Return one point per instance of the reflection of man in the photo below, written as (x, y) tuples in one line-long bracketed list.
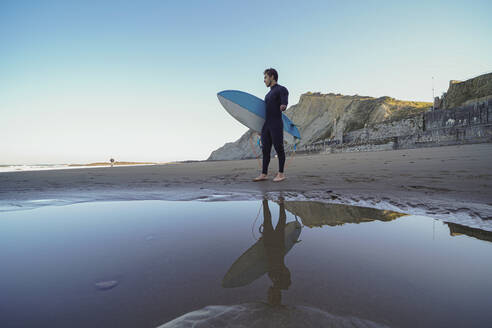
[(274, 242)]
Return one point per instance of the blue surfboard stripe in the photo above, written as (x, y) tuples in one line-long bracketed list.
[(257, 106)]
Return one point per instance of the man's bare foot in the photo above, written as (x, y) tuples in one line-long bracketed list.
[(261, 177), (280, 176)]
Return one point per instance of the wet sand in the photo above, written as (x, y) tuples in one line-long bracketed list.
[(442, 182)]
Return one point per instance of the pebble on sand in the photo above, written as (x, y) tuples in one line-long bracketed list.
[(105, 285)]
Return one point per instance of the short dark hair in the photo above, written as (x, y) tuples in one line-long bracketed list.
[(271, 72)]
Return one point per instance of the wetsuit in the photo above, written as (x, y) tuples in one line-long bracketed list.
[(273, 129)]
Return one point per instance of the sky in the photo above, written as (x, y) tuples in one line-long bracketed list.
[(84, 81)]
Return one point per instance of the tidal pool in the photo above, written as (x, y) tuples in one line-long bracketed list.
[(149, 262)]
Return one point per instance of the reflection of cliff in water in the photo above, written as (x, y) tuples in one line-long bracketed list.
[(317, 214), (458, 229)]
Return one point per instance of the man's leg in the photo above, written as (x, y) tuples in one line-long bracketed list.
[(266, 141), (278, 143)]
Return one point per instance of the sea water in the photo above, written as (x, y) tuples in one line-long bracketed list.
[(144, 263)]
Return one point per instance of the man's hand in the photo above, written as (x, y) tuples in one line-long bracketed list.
[(283, 107)]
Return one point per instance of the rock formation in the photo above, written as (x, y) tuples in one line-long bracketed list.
[(328, 116), (461, 93)]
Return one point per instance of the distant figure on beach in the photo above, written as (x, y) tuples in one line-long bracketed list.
[(112, 161), (274, 242), (273, 129)]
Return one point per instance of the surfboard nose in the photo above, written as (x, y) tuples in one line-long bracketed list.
[(224, 93)]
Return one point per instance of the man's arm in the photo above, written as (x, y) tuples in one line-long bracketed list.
[(284, 96)]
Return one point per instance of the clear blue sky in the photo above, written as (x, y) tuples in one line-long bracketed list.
[(137, 80)]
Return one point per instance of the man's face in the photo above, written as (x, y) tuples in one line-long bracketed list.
[(268, 80)]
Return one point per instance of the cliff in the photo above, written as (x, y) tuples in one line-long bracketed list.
[(464, 92), (328, 116)]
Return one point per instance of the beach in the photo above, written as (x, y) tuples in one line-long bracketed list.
[(450, 182)]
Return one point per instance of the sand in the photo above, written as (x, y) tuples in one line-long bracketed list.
[(453, 183)]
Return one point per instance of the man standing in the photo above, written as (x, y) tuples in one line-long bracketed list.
[(272, 131)]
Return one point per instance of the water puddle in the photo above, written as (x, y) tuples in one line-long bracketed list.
[(150, 263)]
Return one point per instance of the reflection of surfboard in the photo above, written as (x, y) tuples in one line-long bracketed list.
[(250, 110), (254, 263)]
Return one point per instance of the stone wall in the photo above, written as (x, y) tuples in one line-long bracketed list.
[(472, 114), (468, 124), (384, 130), (471, 123)]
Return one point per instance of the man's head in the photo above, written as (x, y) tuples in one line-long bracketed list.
[(271, 77)]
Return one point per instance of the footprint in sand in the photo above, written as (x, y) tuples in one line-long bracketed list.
[(429, 188)]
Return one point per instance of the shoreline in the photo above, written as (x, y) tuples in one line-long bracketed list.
[(48, 167), (452, 183)]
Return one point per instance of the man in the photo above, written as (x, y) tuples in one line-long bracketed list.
[(273, 129)]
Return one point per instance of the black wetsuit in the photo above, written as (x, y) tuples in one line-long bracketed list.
[(273, 129)]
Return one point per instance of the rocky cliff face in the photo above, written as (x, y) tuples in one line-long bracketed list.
[(463, 92), (328, 116), (239, 149)]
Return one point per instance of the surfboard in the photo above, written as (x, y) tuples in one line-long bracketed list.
[(254, 262), (251, 110)]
